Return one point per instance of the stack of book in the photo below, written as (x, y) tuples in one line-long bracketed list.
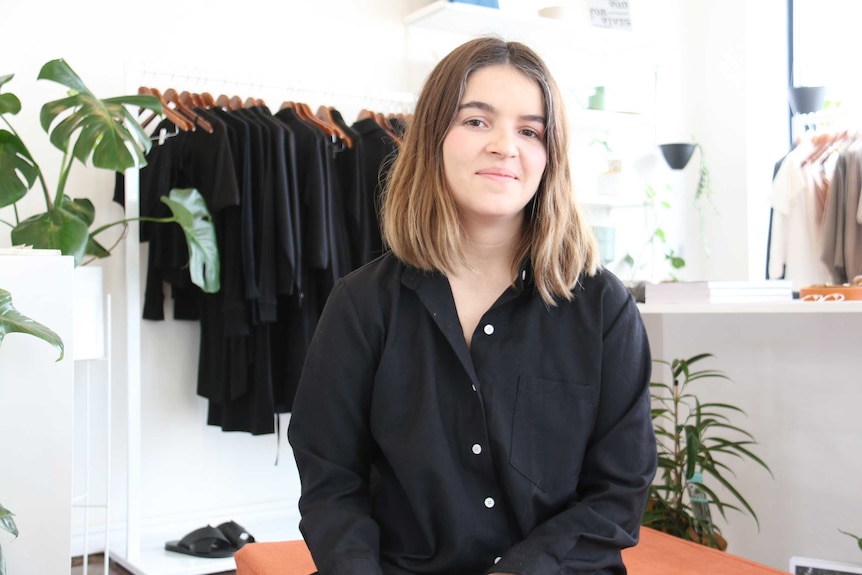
[(719, 291)]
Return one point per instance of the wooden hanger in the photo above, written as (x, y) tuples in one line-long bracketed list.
[(175, 117), (324, 114), (183, 107), (824, 143), (365, 114), (304, 112), (384, 123), (208, 100), (192, 99), (235, 103), (223, 101), (146, 121)]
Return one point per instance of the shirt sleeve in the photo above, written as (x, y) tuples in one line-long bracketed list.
[(619, 464), (334, 467)]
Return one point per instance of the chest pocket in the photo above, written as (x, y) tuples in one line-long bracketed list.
[(550, 431)]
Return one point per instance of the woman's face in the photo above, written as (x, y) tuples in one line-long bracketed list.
[(494, 154)]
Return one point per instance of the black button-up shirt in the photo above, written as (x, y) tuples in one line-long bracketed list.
[(530, 452)]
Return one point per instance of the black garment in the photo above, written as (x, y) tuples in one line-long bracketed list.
[(238, 313), (285, 257), (420, 455), (225, 313), (194, 159), (379, 150), (316, 198)]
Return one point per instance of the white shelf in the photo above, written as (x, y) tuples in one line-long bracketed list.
[(473, 20), (789, 307)]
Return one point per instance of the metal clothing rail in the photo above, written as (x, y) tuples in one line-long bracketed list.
[(275, 92)]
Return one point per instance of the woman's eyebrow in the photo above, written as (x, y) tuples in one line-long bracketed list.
[(485, 107)]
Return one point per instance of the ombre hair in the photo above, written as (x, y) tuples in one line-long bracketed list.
[(419, 218)]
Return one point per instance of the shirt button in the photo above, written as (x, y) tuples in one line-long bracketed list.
[(477, 449), (474, 387), (497, 560), (489, 502), (489, 329)]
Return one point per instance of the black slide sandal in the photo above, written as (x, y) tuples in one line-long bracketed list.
[(236, 534), (207, 542)]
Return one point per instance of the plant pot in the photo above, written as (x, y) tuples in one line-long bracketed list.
[(806, 99), (677, 155)]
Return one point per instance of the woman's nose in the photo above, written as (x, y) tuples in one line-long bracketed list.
[(502, 142)]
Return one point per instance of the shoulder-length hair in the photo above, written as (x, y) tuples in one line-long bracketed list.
[(419, 218)]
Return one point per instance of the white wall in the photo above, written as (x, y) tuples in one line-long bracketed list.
[(721, 78), (722, 81)]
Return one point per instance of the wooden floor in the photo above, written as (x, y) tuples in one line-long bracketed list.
[(96, 566)]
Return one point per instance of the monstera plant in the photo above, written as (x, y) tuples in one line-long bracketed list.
[(12, 321), (106, 133)]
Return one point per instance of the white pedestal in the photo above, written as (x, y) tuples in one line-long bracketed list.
[(36, 416)]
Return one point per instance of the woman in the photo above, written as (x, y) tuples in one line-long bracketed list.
[(477, 399)]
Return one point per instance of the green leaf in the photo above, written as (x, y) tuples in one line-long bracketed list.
[(65, 231), (12, 321), (60, 72), (96, 249), (677, 262), (82, 208), (190, 211), (18, 171), (102, 126), (856, 537), (9, 104)]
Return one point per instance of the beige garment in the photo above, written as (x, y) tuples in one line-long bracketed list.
[(842, 231)]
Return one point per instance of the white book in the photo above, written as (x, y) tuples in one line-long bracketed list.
[(719, 291)]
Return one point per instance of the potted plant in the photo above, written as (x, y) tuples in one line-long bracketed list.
[(696, 444), (655, 209), (12, 321), (84, 128)]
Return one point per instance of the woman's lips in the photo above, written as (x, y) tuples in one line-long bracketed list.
[(498, 174)]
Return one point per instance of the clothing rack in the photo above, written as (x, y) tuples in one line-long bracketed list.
[(350, 103)]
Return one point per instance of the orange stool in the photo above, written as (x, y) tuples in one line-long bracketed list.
[(276, 558), (656, 554)]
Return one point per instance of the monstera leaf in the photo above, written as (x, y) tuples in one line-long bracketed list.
[(18, 171), (64, 229), (13, 321), (105, 129), (190, 211)]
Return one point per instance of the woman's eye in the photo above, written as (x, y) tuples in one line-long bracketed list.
[(530, 133), (474, 122)]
